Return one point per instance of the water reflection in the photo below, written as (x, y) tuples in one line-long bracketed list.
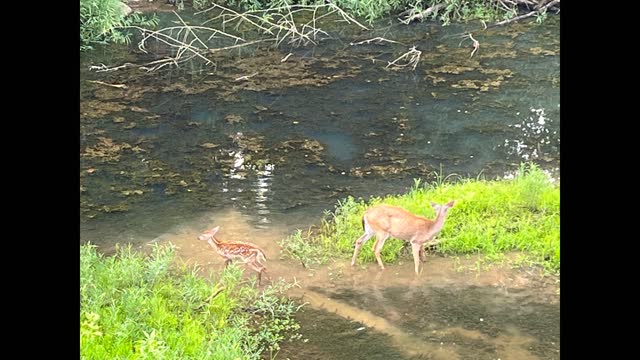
[(535, 137), (262, 189), (242, 171)]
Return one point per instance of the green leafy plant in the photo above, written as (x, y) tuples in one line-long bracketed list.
[(146, 307), (103, 21)]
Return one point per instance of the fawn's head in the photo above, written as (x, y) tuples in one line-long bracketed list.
[(208, 235), (442, 208)]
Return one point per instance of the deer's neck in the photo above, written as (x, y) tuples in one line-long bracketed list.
[(213, 243), (438, 223)]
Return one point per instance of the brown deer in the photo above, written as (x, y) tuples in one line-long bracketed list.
[(246, 253), (386, 220)]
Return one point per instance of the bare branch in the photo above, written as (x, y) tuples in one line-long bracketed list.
[(188, 42), (245, 77), (376, 39), (413, 56), (240, 45), (347, 17), (103, 67), (421, 15), (286, 57), (532, 13), (119, 86), (476, 45)]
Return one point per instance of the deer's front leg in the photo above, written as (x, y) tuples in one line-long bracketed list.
[(416, 255)]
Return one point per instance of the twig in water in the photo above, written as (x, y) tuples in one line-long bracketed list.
[(119, 86), (286, 57), (103, 67), (476, 45), (246, 77), (414, 57), (240, 45), (377, 39)]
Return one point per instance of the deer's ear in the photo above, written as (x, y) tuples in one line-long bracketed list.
[(450, 203), (214, 230), (433, 204)]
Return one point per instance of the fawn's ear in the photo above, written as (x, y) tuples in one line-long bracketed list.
[(213, 231), (433, 204), (450, 203)]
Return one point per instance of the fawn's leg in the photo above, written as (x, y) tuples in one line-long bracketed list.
[(255, 265)]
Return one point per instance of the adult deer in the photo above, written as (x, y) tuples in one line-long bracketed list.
[(247, 253), (384, 220)]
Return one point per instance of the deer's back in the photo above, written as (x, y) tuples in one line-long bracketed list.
[(239, 248), (396, 221)]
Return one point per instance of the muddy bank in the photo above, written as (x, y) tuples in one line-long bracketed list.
[(450, 311)]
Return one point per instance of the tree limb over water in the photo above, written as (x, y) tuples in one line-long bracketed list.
[(186, 42), (298, 25), (452, 10), (539, 10)]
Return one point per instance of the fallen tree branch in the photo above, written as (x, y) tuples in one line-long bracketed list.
[(413, 56), (421, 15), (540, 4), (184, 42), (530, 14), (240, 45)]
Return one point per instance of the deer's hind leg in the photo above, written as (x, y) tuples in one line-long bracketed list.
[(361, 240), (257, 267), (381, 237)]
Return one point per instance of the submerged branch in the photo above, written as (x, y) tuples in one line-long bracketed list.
[(118, 86), (376, 39), (411, 58)]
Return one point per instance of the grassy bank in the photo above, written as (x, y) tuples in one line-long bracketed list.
[(489, 218), (138, 307)]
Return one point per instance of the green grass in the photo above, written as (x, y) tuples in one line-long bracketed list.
[(489, 218), (138, 307)]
